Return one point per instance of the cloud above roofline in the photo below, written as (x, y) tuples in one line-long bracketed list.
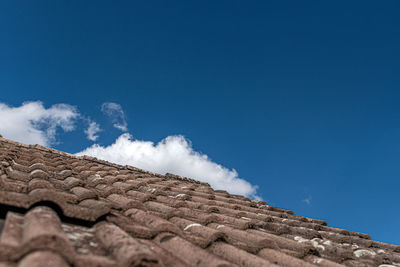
[(92, 130), (32, 123), (115, 112), (174, 154)]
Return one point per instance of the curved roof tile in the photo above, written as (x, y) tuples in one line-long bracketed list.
[(81, 211)]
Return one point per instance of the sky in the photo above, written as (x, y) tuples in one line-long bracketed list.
[(292, 102)]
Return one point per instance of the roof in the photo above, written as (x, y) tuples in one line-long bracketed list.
[(57, 209)]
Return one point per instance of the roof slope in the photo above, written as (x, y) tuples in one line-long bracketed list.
[(57, 209)]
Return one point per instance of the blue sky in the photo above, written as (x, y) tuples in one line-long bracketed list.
[(300, 98)]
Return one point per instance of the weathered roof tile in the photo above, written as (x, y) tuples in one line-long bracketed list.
[(189, 253), (128, 251), (242, 258), (81, 211)]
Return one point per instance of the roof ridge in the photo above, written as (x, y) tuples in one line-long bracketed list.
[(105, 162)]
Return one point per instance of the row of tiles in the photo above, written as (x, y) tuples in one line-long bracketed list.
[(170, 206), (123, 196), (206, 202), (142, 224), (106, 244), (104, 186)]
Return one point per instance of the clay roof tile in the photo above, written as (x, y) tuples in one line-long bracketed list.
[(189, 253), (43, 258), (243, 258), (81, 211), (128, 250)]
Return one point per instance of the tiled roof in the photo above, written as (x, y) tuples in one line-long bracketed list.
[(57, 209)]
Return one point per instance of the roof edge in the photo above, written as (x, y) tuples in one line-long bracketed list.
[(104, 162)]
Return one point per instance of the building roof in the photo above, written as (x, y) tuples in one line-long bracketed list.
[(57, 209)]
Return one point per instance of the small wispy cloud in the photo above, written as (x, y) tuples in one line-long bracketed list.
[(92, 130), (307, 200), (116, 114)]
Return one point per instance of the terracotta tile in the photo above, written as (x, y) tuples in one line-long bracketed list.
[(143, 197), (43, 258), (202, 200), (204, 189), (286, 211), (239, 223), (194, 205), (245, 240), (11, 234), (17, 175), (170, 183), (83, 240), (161, 187), (209, 196), (39, 229), (191, 223), (152, 222), (123, 203), (95, 205), (167, 258), (71, 182), (136, 183), (93, 260), (180, 196), (12, 185), (43, 223), (389, 247), (285, 243), (104, 190), (131, 227), (63, 174), (282, 259), (83, 193), (152, 180), (20, 167), (93, 180), (38, 173), (128, 251), (200, 235), (196, 215), (234, 201), (44, 194), (159, 207), (235, 255), (215, 209), (175, 202), (123, 186), (276, 228), (222, 193), (189, 253), (339, 238), (321, 261), (14, 199), (305, 232), (37, 183), (151, 190)]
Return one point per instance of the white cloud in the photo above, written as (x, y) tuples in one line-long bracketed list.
[(117, 115), (173, 154), (32, 123), (307, 200), (92, 130)]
